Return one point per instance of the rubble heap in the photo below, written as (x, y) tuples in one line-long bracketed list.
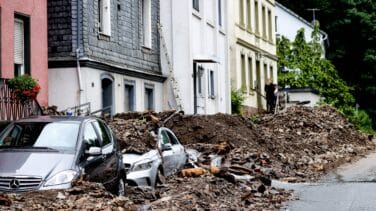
[(82, 196), (233, 160), (306, 142), (134, 131)]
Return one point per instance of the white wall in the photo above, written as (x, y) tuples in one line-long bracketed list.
[(63, 89), (192, 35), (288, 23)]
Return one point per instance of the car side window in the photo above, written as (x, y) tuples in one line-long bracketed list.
[(164, 138), (172, 138), (103, 132), (90, 137)]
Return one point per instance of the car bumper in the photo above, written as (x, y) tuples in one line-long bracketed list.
[(142, 178)]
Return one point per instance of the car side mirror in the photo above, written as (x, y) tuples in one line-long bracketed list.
[(94, 151), (166, 147)]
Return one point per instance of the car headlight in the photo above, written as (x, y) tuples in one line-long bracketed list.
[(61, 178), (142, 165)]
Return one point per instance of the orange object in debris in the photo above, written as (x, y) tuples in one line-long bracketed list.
[(193, 172), (214, 170)]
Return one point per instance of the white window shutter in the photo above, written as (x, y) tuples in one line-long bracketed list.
[(18, 41)]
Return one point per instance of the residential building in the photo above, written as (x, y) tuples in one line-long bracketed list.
[(288, 23), (196, 33), (106, 53), (252, 54), (23, 41)]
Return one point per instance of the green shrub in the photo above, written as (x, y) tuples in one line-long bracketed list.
[(237, 100), (359, 118)]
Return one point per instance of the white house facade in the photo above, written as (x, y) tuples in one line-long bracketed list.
[(252, 54), (288, 23), (195, 33)]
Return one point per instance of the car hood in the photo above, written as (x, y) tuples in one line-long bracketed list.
[(132, 158), (40, 164)]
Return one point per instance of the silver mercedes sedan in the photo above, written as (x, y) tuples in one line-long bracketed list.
[(150, 168)]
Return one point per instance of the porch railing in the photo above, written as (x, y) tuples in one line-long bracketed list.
[(12, 109)]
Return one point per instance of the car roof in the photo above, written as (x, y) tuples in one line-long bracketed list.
[(56, 119)]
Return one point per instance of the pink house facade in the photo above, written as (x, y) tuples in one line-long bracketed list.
[(23, 41)]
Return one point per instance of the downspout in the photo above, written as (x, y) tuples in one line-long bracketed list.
[(78, 43)]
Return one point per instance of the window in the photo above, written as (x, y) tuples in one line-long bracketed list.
[(249, 14), (21, 45), (104, 17), (244, 77), (211, 84), (265, 73), (250, 73), (271, 74), (103, 132), (220, 12), (90, 137), (270, 25), (200, 72), (276, 23), (241, 12), (172, 138), (164, 138), (257, 18), (129, 96), (263, 23), (146, 23), (196, 5), (149, 97)]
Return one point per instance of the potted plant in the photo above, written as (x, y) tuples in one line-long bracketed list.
[(24, 88)]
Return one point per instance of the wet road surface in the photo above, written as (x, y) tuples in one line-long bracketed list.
[(350, 187)]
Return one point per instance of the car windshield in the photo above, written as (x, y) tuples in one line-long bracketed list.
[(55, 135)]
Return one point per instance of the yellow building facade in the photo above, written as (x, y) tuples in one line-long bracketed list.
[(252, 48)]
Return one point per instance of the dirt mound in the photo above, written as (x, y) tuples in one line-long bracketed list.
[(308, 141), (136, 131), (82, 196), (214, 129)]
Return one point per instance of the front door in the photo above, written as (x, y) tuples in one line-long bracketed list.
[(107, 95)]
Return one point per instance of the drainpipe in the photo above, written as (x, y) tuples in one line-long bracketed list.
[(78, 31)]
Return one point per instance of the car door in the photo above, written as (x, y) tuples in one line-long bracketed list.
[(178, 149), (109, 166), (168, 161), (92, 164)]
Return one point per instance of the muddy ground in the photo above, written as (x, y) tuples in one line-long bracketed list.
[(298, 145)]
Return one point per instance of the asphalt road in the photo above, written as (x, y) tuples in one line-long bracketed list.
[(350, 187)]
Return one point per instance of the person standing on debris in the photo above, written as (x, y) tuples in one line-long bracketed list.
[(271, 95)]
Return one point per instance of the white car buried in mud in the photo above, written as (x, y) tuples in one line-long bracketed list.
[(150, 168)]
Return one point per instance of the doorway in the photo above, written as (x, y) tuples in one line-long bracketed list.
[(258, 86), (107, 99)]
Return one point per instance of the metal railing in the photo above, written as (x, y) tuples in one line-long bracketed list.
[(11, 108), (80, 110)]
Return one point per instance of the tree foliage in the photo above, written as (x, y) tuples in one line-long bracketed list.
[(308, 68), (351, 25)]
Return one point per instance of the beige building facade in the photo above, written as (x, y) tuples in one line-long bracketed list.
[(252, 43)]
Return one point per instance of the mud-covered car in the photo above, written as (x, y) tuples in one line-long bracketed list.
[(150, 168), (50, 152)]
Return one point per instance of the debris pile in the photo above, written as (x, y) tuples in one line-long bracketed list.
[(82, 196), (306, 142), (136, 131), (232, 160)]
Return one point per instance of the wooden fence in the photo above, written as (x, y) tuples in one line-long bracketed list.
[(12, 109)]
